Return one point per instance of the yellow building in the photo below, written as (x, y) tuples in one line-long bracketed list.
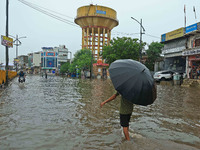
[(96, 23)]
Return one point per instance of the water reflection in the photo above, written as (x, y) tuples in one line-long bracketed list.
[(63, 113)]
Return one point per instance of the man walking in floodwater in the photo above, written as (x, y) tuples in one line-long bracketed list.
[(126, 109)]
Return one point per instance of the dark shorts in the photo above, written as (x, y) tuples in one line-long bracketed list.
[(124, 120)]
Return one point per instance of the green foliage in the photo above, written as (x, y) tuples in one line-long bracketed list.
[(64, 67), (82, 60), (153, 53), (121, 48)]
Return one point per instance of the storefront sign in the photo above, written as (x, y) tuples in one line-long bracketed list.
[(172, 35), (191, 52), (173, 50), (196, 57), (16, 60), (6, 41), (191, 28), (50, 53), (47, 68)]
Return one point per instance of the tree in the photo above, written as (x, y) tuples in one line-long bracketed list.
[(121, 48), (64, 67), (153, 53), (82, 60)]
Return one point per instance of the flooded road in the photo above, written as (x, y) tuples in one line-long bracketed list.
[(63, 113)]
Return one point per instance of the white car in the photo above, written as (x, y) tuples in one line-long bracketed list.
[(163, 75)]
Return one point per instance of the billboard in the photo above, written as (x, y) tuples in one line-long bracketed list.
[(6, 41), (172, 35), (191, 28)]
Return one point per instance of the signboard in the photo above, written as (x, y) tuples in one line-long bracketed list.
[(6, 41), (50, 53), (173, 50), (191, 28), (16, 60), (47, 48), (163, 37), (101, 12), (191, 52), (175, 34), (172, 35)]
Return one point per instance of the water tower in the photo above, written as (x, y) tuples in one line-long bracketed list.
[(96, 23)]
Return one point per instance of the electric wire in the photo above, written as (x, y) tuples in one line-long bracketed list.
[(45, 11), (49, 14), (129, 34), (49, 10)]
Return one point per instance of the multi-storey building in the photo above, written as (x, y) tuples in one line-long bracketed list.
[(49, 59), (62, 55), (37, 62), (23, 62)]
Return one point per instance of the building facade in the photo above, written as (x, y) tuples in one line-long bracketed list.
[(192, 52), (62, 57), (182, 50), (23, 62), (49, 59), (36, 62), (174, 44)]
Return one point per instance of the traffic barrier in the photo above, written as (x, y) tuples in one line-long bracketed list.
[(11, 75)]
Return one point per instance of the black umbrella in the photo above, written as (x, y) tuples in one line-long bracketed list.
[(133, 81)]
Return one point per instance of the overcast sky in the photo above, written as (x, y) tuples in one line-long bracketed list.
[(158, 17)]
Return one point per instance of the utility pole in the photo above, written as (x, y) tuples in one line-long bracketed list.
[(141, 28), (7, 57), (91, 68)]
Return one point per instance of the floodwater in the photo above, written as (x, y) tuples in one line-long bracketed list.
[(64, 114)]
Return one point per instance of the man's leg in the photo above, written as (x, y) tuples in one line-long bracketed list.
[(126, 133), (124, 121)]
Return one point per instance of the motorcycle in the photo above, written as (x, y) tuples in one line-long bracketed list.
[(21, 79)]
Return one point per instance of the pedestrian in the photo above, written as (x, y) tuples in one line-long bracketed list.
[(198, 72), (126, 109), (133, 81), (46, 75), (189, 72)]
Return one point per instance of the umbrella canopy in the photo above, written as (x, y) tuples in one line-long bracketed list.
[(133, 81)]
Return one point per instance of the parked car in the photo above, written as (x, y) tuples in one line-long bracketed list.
[(163, 75)]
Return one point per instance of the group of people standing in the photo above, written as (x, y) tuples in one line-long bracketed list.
[(194, 72)]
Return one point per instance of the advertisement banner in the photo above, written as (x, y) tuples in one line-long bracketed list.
[(191, 28), (6, 41), (175, 34)]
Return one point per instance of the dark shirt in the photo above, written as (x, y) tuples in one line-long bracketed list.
[(21, 74)]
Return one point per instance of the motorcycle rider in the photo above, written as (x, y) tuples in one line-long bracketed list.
[(21, 75)]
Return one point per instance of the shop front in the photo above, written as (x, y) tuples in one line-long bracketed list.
[(173, 59), (194, 63)]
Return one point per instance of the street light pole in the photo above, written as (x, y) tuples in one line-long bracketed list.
[(17, 43), (141, 28)]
